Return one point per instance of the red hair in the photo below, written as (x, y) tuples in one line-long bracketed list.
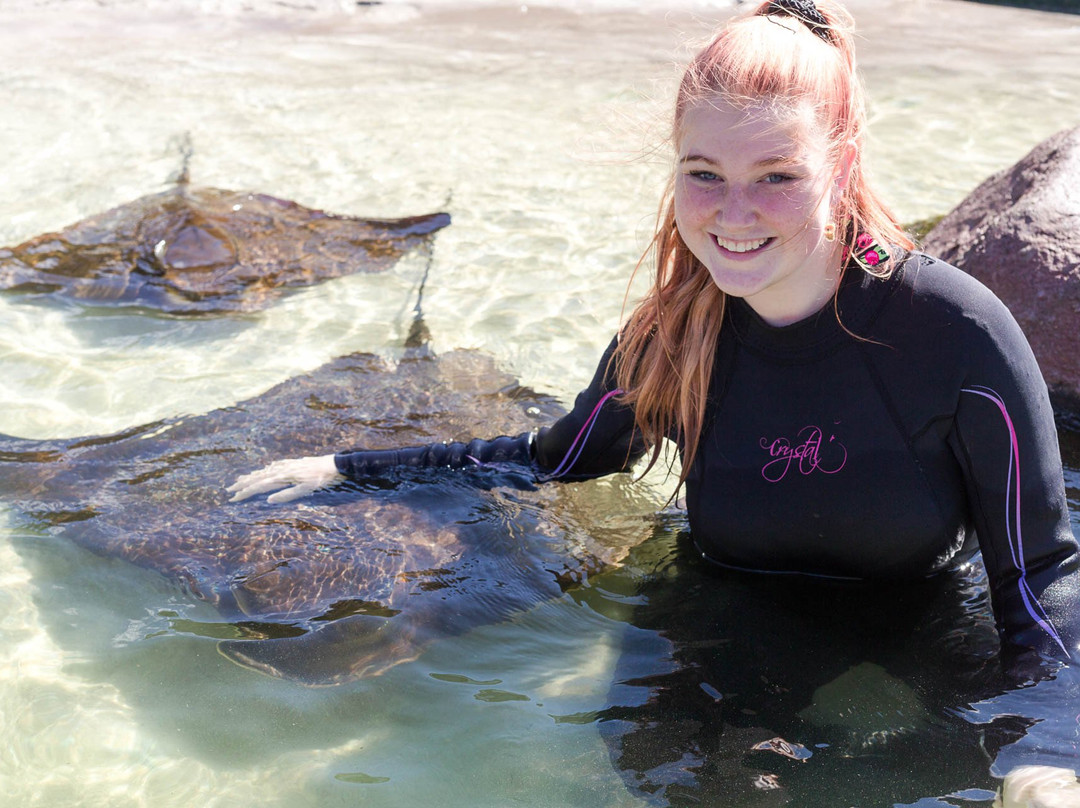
[(667, 347)]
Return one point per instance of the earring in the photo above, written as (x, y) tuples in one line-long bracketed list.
[(830, 231)]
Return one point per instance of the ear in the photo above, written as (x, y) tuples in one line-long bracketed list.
[(844, 165)]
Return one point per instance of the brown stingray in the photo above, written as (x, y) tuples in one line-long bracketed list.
[(204, 250), (340, 584)]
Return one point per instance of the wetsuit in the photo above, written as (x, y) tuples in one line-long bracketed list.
[(892, 442)]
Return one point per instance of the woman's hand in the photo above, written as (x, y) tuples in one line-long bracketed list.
[(1039, 787), (299, 477)]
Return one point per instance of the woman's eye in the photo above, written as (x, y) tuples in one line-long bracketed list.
[(778, 179), (705, 176)]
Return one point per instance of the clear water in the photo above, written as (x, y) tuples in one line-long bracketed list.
[(540, 129)]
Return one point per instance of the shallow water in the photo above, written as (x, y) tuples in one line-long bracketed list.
[(538, 130)]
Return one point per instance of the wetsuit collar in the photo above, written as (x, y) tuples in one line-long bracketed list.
[(858, 300)]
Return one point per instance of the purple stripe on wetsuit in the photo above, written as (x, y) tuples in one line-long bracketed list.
[(581, 439), (1016, 540)]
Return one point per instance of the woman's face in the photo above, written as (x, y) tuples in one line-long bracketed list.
[(753, 192)]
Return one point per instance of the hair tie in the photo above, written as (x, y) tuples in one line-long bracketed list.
[(804, 11)]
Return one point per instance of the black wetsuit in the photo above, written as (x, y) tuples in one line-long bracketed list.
[(892, 442)]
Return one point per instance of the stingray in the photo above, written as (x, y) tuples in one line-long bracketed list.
[(343, 584), (205, 250)]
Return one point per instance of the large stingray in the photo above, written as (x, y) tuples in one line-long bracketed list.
[(338, 585), (204, 250)]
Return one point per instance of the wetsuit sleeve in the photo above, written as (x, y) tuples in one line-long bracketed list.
[(362, 463), (1005, 439), (597, 437)]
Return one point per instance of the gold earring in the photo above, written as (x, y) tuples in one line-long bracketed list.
[(830, 232)]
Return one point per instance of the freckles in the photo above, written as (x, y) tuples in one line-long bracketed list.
[(695, 204), (685, 214), (788, 206)]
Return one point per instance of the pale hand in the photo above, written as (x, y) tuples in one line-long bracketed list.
[(298, 477), (1039, 787)]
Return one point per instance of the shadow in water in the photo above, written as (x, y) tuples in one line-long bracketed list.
[(792, 692)]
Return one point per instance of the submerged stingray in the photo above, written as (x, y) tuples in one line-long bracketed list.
[(341, 584), (204, 250)]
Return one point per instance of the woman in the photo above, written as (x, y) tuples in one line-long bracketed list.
[(843, 407)]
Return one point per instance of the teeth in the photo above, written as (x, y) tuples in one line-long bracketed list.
[(740, 246)]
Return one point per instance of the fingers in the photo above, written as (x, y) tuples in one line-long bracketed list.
[(302, 489), (277, 475), (251, 484), (289, 494)]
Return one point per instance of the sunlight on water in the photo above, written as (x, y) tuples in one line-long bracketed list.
[(540, 130)]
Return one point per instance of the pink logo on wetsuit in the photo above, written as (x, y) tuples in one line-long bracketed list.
[(809, 452)]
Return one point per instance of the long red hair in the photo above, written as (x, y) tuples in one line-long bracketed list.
[(667, 347)]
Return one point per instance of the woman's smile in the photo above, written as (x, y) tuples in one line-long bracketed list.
[(742, 247)]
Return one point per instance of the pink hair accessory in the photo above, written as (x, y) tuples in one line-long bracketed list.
[(868, 253)]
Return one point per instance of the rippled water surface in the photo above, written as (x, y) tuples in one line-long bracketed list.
[(540, 130)]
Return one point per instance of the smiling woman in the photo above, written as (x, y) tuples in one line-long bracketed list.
[(789, 310), (110, 673)]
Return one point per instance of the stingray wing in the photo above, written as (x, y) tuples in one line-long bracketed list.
[(201, 251), (416, 558)]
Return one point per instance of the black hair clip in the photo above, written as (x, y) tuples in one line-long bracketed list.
[(803, 10)]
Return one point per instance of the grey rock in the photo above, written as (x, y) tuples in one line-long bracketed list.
[(1019, 233)]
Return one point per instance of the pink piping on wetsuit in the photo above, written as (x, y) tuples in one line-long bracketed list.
[(582, 438), (1016, 545)]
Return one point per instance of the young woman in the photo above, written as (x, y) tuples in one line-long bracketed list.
[(844, 407)]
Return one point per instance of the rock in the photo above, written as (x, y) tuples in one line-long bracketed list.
[(1019, 233)]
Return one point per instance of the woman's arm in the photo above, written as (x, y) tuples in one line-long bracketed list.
[(597, 437), (301, 476), (1005, 439)]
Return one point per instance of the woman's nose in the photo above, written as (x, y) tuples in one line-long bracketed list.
[(736, 209)]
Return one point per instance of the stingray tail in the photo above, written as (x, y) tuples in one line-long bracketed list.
[(187, 150)]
